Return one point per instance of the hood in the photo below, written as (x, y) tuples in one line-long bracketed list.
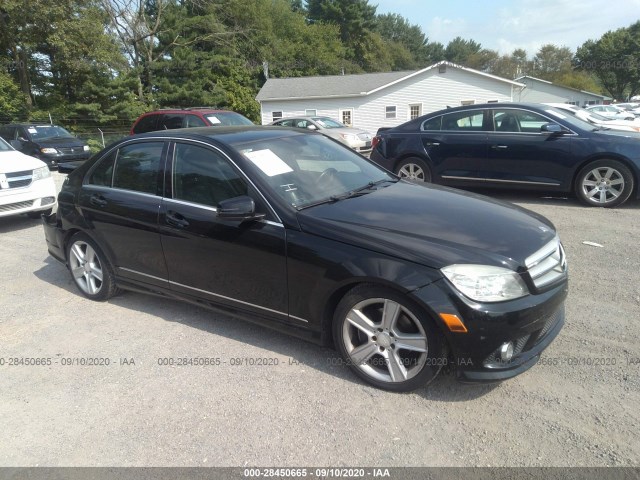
[(432, 225), (60, 142), (14, 161)]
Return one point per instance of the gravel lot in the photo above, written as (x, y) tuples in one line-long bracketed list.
[(578, 407)]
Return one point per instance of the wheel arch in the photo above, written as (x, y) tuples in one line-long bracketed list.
[(419, 155), (339, 293)]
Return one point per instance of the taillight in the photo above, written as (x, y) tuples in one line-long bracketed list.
[(375, 141)]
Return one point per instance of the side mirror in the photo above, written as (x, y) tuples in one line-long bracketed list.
[(311, 126), (241, 209), (552, 128)]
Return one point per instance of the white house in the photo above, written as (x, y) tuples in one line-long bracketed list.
[(543, 91), (373, 100)]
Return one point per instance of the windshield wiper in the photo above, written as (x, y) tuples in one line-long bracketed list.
[(357, 192)]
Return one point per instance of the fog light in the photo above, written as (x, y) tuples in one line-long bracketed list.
[(506, 351), (47, 200)]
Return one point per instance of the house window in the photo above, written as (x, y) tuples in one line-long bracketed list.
[(573, 103), (415, 111), (467, 102), (276, 116), (346, 117), (390, 112), (310, 113)]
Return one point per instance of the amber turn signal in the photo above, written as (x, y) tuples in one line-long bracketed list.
[(453, 323)]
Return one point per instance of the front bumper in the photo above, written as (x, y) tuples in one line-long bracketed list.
[(531, 323), (38, 196)]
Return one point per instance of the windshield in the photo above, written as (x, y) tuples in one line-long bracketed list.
[(305, 170), (227, 119), (326, 122), (42, 132), (4, 146)]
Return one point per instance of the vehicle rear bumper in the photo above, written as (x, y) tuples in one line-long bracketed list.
[(54, 235)]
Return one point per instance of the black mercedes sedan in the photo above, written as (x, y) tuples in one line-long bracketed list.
[(511, 145), (297, 232)]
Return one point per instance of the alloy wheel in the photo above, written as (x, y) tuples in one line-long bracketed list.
[(384, 340), (86, 267)]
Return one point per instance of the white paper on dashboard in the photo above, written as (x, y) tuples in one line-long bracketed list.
[(268, 162)]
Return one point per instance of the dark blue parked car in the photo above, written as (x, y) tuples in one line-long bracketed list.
[(512, 145)]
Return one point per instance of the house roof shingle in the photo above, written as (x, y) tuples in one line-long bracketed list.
[(344, 85)]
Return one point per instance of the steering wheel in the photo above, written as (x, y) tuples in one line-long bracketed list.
[(329, 174)]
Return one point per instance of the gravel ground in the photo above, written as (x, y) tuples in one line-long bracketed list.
[(578, 407)]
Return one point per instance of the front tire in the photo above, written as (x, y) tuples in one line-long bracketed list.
[(414, 169), (386, 339), (90, 269), (604, 183)]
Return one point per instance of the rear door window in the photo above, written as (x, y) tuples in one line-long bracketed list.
[(170, 121), (146, 124), (137, 167)]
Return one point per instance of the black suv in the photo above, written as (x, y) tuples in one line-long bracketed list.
[(50, 143)]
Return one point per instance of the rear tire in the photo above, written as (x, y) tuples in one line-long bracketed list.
[(90, 268), (604, 183), (414, 169), (387, 340)]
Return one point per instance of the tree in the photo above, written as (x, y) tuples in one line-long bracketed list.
[(551, 62), (459, 50), (356, 20), (12, 101), (396, 30), (615, 60)]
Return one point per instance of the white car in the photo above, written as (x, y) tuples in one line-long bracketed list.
[(611, 111), (26, 184), (596, 119)]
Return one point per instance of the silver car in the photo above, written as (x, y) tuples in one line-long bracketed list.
[(359, 140), (611, 111)]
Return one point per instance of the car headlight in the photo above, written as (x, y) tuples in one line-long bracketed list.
[(484, 283), (86, 148), (49, 150), (40, 173)]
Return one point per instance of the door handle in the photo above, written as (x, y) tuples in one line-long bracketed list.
[(98, 201), (176, 220), (433, 144), (499, 147)]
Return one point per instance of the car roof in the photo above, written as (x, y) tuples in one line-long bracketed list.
[(229, 135), (190, 110), (32, 124)]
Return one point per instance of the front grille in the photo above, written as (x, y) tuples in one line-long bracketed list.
[(70, 150), (17, 179), (15, 206), (548, 265)]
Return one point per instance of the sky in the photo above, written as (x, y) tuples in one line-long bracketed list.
[(505, 25)]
